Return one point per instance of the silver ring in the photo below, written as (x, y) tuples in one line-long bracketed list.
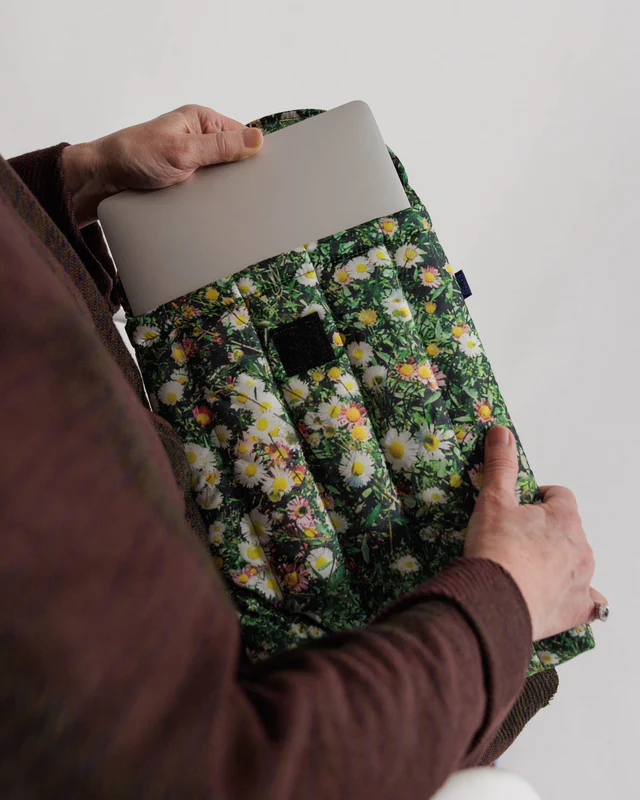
[(602, 612)]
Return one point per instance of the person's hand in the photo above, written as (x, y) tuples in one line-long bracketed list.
[(542, 545), (154, 154)]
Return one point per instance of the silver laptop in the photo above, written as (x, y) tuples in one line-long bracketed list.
[(312, 179)]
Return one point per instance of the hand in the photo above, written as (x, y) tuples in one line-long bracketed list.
[(542, 545), (154, 154)]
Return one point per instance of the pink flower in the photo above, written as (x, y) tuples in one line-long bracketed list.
[(352, 414), (190, 347), (430, 277), (299, 507), (297, 579), (484, 410), (245, 577), (202, 415)]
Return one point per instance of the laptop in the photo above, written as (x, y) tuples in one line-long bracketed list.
[(312, 179)]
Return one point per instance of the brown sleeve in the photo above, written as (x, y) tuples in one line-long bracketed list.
[(42, 172), (119, 651)]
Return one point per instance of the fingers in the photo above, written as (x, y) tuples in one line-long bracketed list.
[(500, 463), (228, 145)]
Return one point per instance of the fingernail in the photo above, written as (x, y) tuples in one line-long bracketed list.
[(251, 137), (499, 435)]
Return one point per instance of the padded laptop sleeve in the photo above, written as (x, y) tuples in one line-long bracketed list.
[(333, 404)]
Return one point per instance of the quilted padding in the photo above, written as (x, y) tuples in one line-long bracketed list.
[(333, 402)]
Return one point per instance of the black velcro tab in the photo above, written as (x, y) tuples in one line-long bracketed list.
[(302, 344)]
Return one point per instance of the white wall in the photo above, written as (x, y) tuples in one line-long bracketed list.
[(519, 126)]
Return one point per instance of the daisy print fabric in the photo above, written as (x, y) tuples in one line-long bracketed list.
[(330, 492)]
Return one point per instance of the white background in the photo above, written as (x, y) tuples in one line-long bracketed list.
[(519, 125)]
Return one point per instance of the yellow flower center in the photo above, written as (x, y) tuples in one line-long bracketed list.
[(409, 254), (460, 434), (202, 418), (250, 470), (148, 335), (321, 562), (191, 457), (257, 528), (381, 254), (271, 584), (424, 371), (361, 267), (334, 373), (484, 411), (353, 414), (309, 533), (339, 338), (406, 370), (471, 344), (431, 442), (240, 319), (342, 276), (403, 312), (310, 274), (428, 277), (359, 433), (244, 288), (262, 424), (279, 484), (430, 307), (455, 481), (357, 468), (243, 449), (348, 384), (388, 226), (178, 354), (457, 331), (291, 578), (172, 397), (396, 449), (253, 551), (334, 411), (244, 578), (432, 350), (358, 353), (212, 294)]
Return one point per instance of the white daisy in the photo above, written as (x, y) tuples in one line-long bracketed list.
[(210, 396), (314, 308), (298, 630), (245, 286), (408, 255), (256, 524), (209, 497), (145, 335), (180, 375), (356, 467), (313, 420), (267, 403), (295, 391), (338, 521), (306, 275), (359, 268), (314, 631), (346, 385), (278, 482), (198, 457), (400, 449), (360, 353), (341, 276), (309, 247), (236, 320), (321, 561), (579, 630), (547, 658), (267, 585), (222, 436), (248, 383), (253, 553), (329, 412), (428, 534), (379, 256), (216, 532), (397, 307), (470, 345), (170, 392), (433, 496), (269, 428), (210, 477), (435, 442), (406, 564), (389, 225), (374, 376), (249, 471)]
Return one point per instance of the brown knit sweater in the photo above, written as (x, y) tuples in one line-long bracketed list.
[(120, 669)]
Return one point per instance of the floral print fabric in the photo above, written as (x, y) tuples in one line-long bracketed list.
[(331, 492)]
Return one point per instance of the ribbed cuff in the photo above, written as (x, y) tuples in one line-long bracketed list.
[(42, 172), (493, 605)]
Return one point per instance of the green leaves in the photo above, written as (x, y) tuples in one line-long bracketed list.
[(365, 549)]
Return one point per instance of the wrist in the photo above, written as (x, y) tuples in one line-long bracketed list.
[(84, 175)]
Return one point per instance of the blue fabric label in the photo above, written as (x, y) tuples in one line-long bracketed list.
[(463, 284)]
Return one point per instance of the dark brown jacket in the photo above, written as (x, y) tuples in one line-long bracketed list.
[(120, 666)]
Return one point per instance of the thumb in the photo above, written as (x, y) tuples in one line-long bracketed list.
[(500, 462), (231, 145)]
